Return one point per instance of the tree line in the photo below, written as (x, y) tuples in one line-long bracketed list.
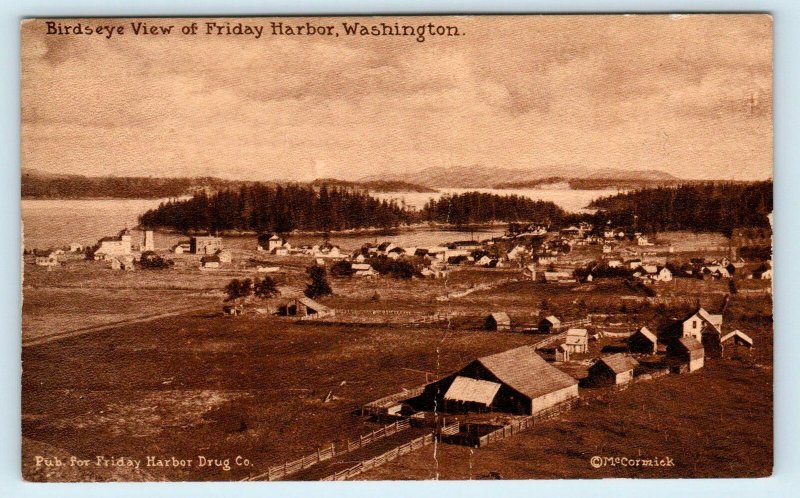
[(82, 187), (266, 208), (713, 207), (478, 207)]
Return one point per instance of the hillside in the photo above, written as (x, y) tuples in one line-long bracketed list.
[(40, 185), (374, 185), (477, 176)]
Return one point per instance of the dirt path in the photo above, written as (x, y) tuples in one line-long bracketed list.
[(107, 326), (347, 460)]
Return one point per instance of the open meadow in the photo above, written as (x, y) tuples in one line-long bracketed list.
[(144, 363)]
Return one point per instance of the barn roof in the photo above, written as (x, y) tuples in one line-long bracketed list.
[(472, 390), (310, 303), (553, 320), (501, 317), (644, 331), (737, 333), (526, 372), (619, 363)]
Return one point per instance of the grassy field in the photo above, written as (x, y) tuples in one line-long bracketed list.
[(198, 383), (716, 422), (205, 383)]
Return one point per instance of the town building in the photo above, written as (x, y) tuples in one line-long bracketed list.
[(307, 307), (45, 258), (205, 244), (149, 243), (111, 247)]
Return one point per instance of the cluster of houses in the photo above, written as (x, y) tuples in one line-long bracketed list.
[(119, 251), (209, 247), (520, 381)]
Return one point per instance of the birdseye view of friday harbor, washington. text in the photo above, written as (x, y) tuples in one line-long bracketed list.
[(397, 248)]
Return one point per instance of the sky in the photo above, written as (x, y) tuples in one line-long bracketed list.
[(689, 95)]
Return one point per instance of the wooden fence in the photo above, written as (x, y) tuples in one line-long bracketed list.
[(379, 460), (523, 424), (550, 340), (379, 406), (277, 472)]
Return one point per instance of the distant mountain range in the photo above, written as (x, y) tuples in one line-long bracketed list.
[(38, 184), (482, 177)]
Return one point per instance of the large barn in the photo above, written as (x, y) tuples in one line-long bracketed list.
[(515, 381)]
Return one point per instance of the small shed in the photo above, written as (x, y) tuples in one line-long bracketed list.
[(305, 306), (612, 370), (577, 341), (499, 321), (562, 353), (735, 340), (549, 324), (687, 351), (209, 262), (466, 394), (643, 341)]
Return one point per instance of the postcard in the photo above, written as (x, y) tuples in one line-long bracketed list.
[(397, 248)]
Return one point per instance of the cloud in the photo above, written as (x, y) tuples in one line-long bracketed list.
[(599, 91)]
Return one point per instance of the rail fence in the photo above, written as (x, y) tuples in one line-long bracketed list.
[(277, 472), (393, 454), (379, 406), (379, 460), (523, 424), (550, 340)]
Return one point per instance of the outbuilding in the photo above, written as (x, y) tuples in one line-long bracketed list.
[(305, 306), (499, 321), (470, 395), (549, 324), (612, 370), (643, 341), (577, 341), (735, 340), (686, 351)]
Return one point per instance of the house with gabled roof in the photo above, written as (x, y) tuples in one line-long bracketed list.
[(643, 341), (735, 340), (549, 324), (612, 370), (499, 321), (686, 352)]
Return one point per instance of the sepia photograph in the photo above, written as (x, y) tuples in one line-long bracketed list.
[(381, 248)]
